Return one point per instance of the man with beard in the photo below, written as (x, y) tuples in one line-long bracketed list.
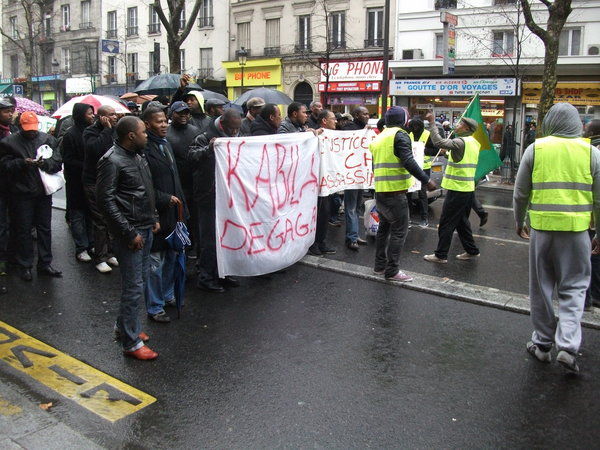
[(267, 122)]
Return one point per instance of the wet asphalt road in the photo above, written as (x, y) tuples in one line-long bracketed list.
[(310, 358)]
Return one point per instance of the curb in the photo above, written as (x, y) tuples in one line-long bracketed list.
[(445, 287)]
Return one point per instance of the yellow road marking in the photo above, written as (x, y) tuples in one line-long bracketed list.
[(8, 409), (94, 390)]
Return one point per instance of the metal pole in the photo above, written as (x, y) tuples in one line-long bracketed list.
[(386, 57)]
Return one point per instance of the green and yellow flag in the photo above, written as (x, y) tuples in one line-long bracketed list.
[(488, 158)]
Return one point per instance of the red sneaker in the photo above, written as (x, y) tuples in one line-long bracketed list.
[(142, 353), (144, 337)]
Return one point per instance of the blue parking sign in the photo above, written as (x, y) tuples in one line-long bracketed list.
[(17, 90)]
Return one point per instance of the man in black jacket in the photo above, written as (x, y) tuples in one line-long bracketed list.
[(267, 122), (361, 119), (202, 157), (315, 111), (254, 105), (126, 198), (169, 196), (295, 122), (7, 128), (25, 154), (97, 139), (73, 157)]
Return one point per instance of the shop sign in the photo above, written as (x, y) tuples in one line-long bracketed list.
[(581, 94), (356, 86), (255, 76), (45, 78), (81, 85), (353, 71), (454, 87)]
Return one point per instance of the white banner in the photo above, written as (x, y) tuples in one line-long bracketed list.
[(346, 161), (266, 201), (419, 155)]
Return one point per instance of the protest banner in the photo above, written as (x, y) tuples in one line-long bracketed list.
[(419, 155), (346, 161), (45, 123), (266, 201)]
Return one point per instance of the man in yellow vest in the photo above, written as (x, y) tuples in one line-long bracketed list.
[(459, 182), (559, 182), (418, 133), (393, 168)]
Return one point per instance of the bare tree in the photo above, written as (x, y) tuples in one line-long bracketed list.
[(26, 34), (558, 12), (176, 36)]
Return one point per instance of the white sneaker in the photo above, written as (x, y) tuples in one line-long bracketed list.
[(435, 259), (103, 268), (84, 256), (113, 262), (466, 256), (537, 352), (568, 361)]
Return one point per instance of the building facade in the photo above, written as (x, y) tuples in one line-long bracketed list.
[(490, 35)]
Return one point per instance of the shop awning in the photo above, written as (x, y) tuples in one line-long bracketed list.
[(585, 93), (6, 89)]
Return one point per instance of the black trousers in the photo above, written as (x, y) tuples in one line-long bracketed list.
[(33, 212), (207, 245), (478, 207), (323, 215), (455, 216), (423, 201), (102, 250)]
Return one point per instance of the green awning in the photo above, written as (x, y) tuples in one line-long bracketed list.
[(6, 89)]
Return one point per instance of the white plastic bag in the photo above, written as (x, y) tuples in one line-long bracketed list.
[(52, 182), (371, 218)]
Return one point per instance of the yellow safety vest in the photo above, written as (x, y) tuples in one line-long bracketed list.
[(424, 136), (460, 176), (561, 195), (389, 173)]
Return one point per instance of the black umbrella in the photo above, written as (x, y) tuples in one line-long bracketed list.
[(210, 95), (268, 95), (163, 84)]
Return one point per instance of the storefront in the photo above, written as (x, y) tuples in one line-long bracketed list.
[(256, 73), (448, 98), (351, 84), (584, 95)]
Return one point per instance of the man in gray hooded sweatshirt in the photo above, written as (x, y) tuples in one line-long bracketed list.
[(559, 183)]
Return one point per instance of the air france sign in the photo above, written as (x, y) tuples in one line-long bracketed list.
[(454, 87)]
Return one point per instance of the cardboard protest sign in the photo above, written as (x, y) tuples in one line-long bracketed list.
[(266, 201), (346, 162), (419, 155)]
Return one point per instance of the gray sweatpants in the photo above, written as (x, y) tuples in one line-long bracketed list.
[(558, 259)]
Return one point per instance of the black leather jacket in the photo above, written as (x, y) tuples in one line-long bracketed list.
[(125, 193)]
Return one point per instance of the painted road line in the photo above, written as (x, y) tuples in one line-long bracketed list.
[(444, 287), (500, 208), (90, 388)]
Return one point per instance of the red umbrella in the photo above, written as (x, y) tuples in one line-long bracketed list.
[(95, 100)]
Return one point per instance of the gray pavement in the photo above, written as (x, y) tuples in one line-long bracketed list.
[(310, 358)]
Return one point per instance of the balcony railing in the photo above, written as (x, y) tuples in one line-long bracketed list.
[(154, 28), (86, 25), (272, 51), (205, 73), (205, 22), (132, 77), (299, 48), (335, 44), (131, 31), (111, 78), (111, 34), (247, 50), (373, 42)]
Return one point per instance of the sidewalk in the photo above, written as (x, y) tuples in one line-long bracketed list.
[(24, 424), (494, 182)]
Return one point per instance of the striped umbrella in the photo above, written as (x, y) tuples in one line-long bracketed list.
[(95, 100)]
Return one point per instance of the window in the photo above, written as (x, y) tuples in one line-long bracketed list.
[(337, 27), (47, 31), (132, 21), (132, 63), (111, 21), (569, 43), (445, 4), (111, 76), (504, 2), (374, 28), (182, 60), (304, 33), (182, 18), (154, 21), (14, 31), (85, 15), (206, 63), (503, 43), (439, 45), (65, 13), (151, 64), (272, 37), (205, 18), (66, 60), (243, 35), (14, 66)]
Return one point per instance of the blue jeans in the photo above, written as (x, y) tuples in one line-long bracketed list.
[(352, 199), (134, 266), (161, 281), (81, 229)]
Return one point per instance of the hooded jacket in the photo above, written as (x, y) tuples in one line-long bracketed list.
[(24, 179), (260, 127), (287, 126), (73, 157), (180, 138), (199, 119), (96, 142)]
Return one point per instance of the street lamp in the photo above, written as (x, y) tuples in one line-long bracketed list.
[(242, 58), (55, 66)]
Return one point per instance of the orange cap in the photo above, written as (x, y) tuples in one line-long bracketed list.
[(29, 121)]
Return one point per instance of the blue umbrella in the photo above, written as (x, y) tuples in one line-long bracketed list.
[(178, 240)]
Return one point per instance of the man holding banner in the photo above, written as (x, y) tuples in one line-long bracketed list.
[(393, 166)]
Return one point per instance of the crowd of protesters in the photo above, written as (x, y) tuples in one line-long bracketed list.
[(130, 179)]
